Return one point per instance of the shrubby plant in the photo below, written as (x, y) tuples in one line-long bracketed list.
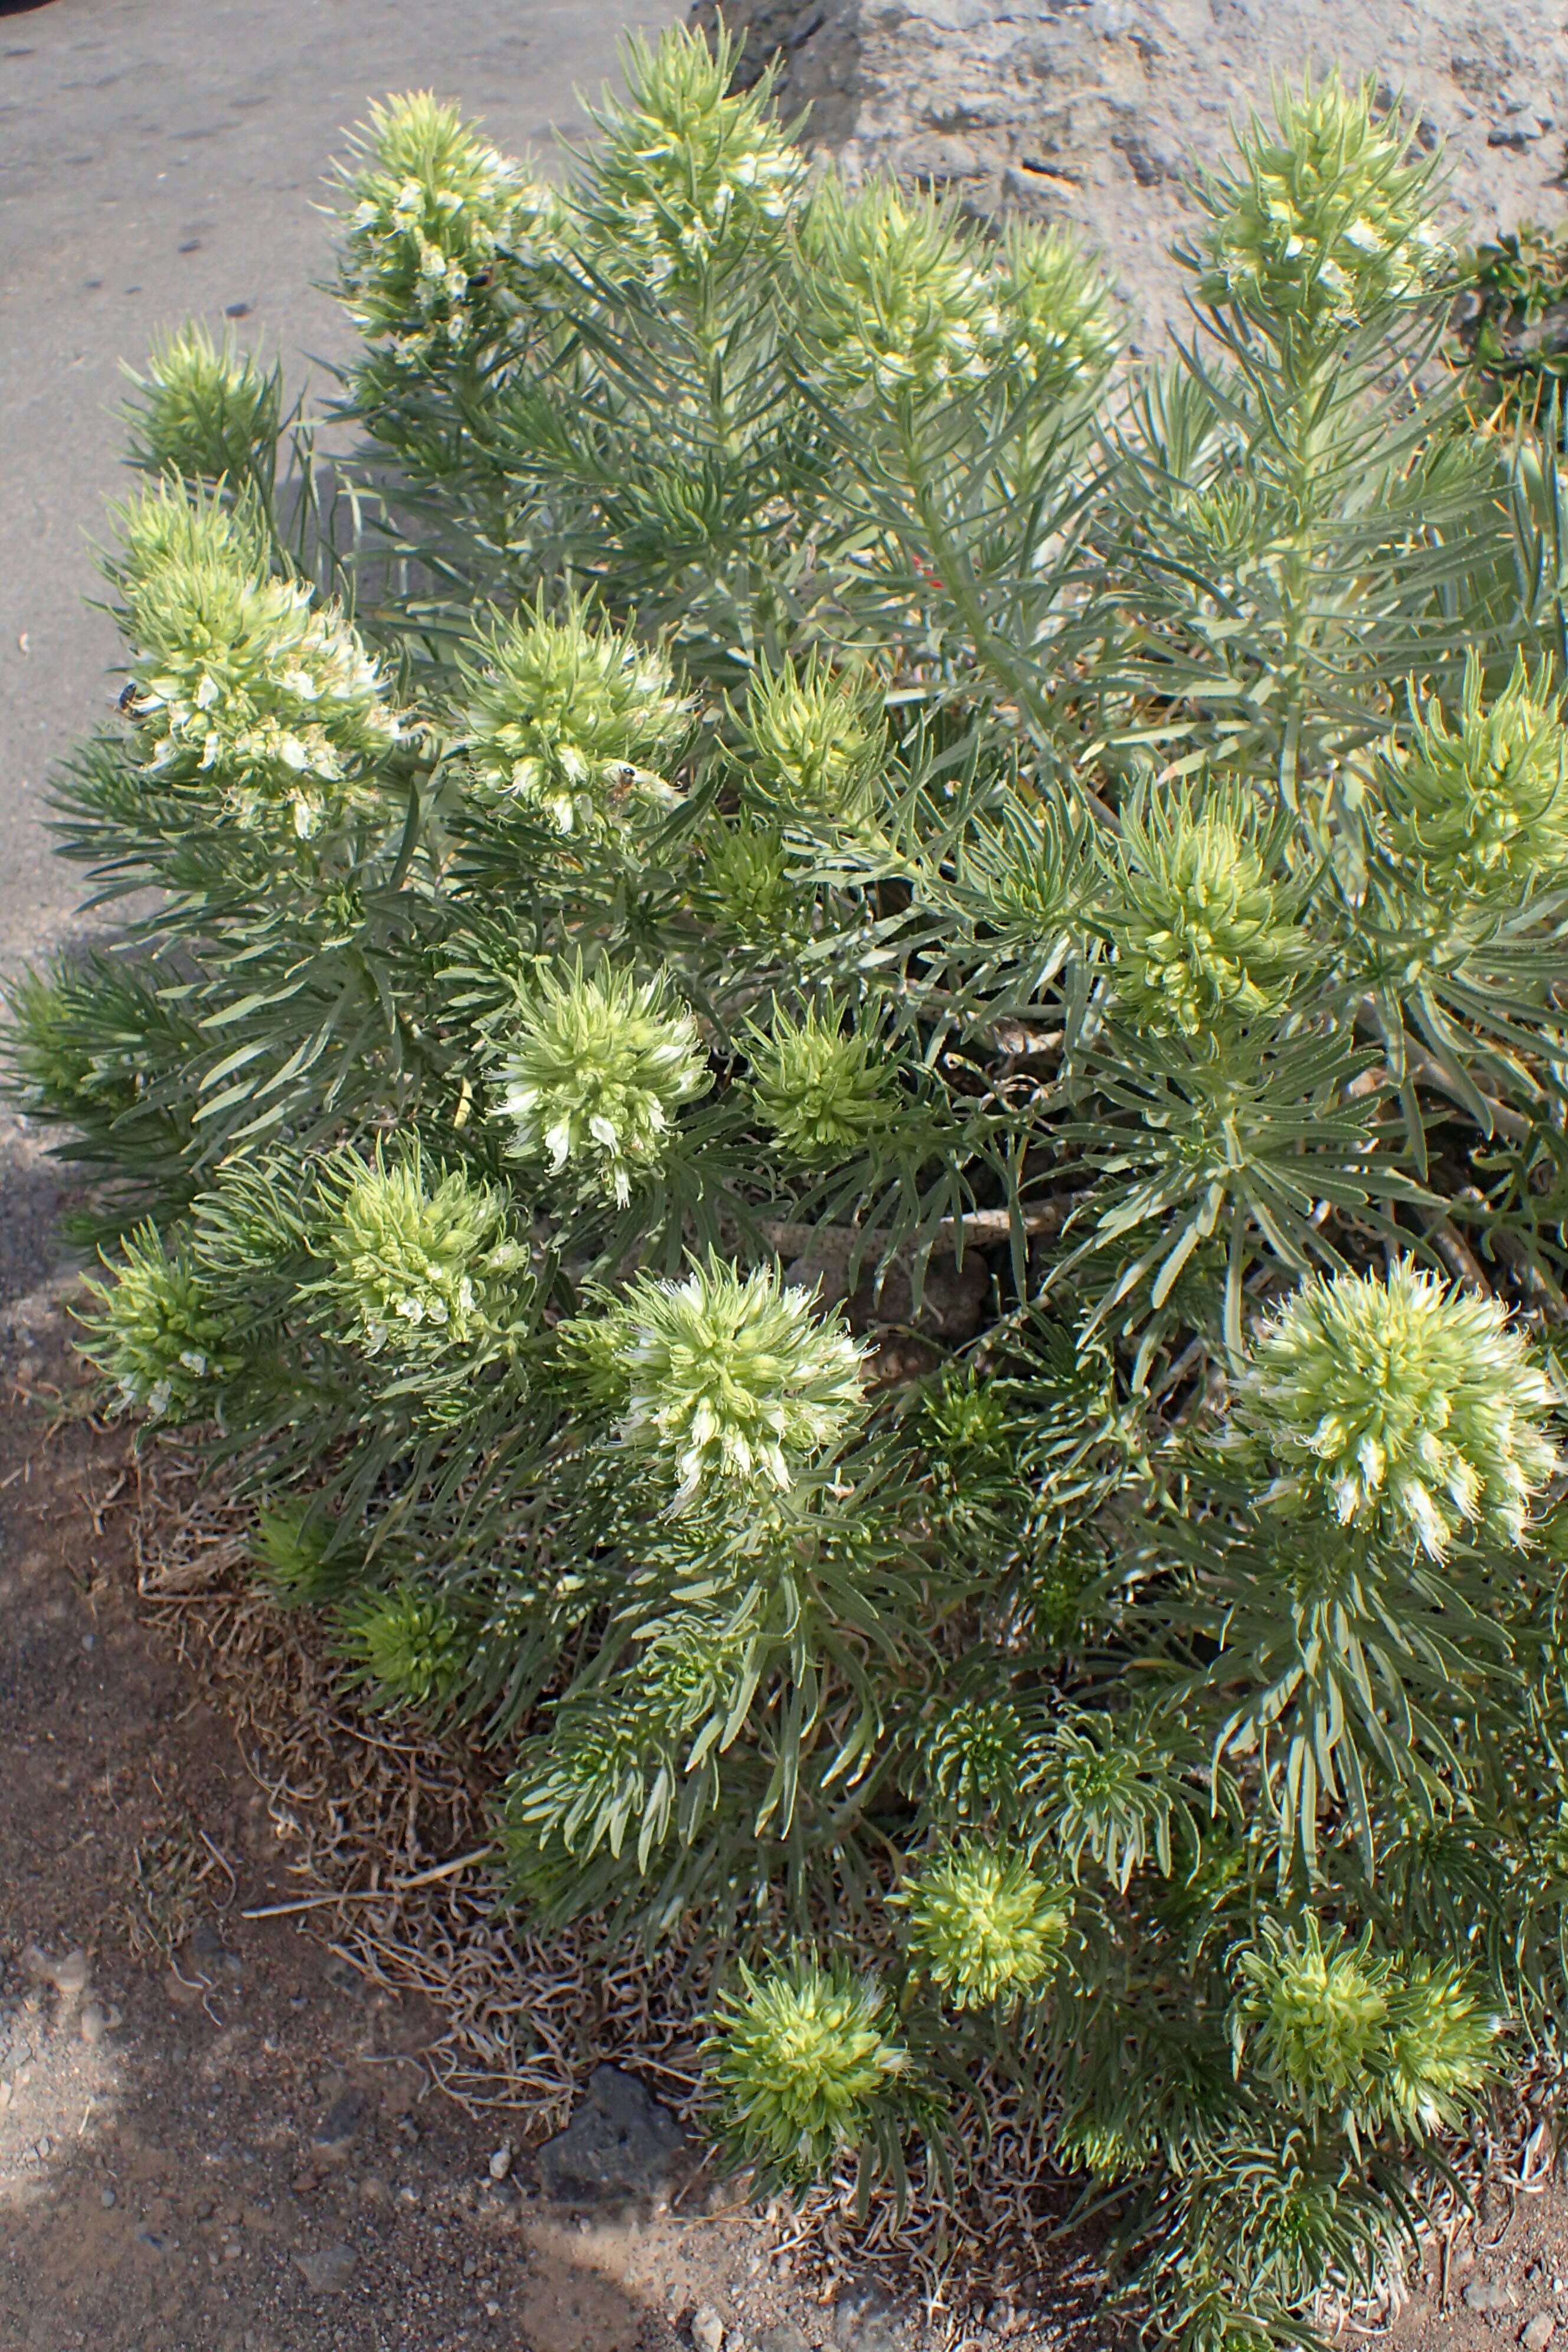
[(855, 1117)]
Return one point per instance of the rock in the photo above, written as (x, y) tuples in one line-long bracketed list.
[(501, 2161), (864, 2320), (106, 2199), (784, 2335), (335, 2133), (374, 2190), (1484, 2295), (1537, 2333), (94, 2022), (329, 2271), (620, 2143), (68, 1976), (707, 2330)]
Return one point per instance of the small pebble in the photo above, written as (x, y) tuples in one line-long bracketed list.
[(94, 2023), (1538, 2335), (106, 2199), (329, 2271), (501, 2161), (707, 2330)]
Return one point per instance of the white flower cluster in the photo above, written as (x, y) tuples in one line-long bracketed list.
[(436, 215), (240, 678)]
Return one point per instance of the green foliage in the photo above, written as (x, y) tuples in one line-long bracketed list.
[(844, 1084)]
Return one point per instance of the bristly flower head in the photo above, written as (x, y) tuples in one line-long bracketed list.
[(682, 169), (898, 301), (1328, 222), (436, 217), (982, 1928), (597, 1068), (1203, 935), (1405, 1403), (420, 1267), (240, 680), (825, 1093), (727, 1381), (1061, 323), (1351, 2033), (203, 410), (159, 1334), (746, 889), (1483, 809), (816, 736), (573, 719), (799, 2059)]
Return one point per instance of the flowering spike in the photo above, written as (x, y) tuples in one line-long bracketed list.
[(1202, 934), (816, 738), (421, 1267), (1402, 1402), (436, 217), (985, 1928), (596, 1070), (825, 1093), (573, 719), (203, 410), (727, 1381), (1325, 223), (240, 679), (684, 169), (158, 1332), (1482, 809), (799, 2059)]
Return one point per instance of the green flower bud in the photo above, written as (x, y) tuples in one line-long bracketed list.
[(826, 1094), (159, 1334), (725, 1380), (682, 172), (984, 1930), (239, 681), (1203, 936), (818, 739), (1402, 1405), (898, 301), (421, 1269), (799, 2062), (571, 720), (436, 219), (203, 410), (745, 888), (1061, 329), (1483, 809), (1327, 223), (596, 1072), (407, 1647)]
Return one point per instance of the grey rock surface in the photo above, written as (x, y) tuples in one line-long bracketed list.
[(1086, 111), (619, 2144)]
